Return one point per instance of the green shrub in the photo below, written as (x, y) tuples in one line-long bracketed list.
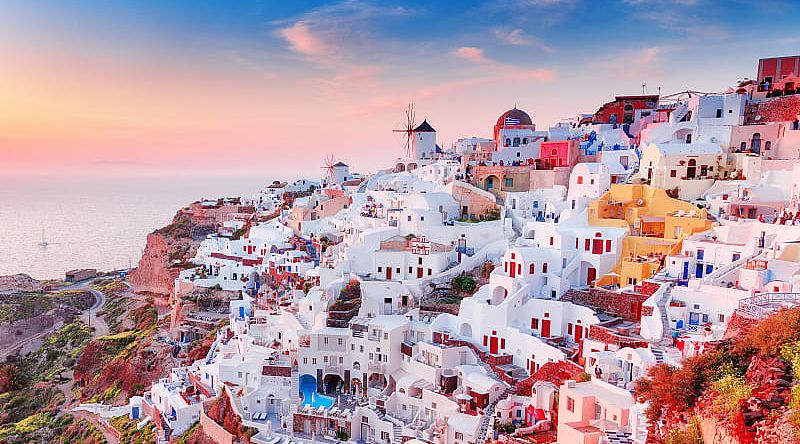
[(463, 283)]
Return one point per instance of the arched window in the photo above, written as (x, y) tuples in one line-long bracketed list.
[(554, 152), (544, 267), (691, 170), (524, 140), (767, 145), (516, 141), (689, 138), (743, 146), (508, 142), (533, 268)]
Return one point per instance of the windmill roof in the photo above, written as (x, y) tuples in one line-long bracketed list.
[(340, 164), (424, 127)]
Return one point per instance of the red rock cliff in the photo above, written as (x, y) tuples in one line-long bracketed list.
[(168, 249)]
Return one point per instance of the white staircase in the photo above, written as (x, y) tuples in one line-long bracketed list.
[(487, 423)]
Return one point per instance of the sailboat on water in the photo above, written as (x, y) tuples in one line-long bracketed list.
[(43, 242)]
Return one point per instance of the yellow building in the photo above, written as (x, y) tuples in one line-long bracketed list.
[(657, 224)]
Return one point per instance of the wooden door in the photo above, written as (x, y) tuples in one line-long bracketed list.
[(546, 328), (591, 275), (419, 273), (493, 348), (388, 273), (513, 270)]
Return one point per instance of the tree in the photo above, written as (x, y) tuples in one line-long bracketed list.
[(463, 283)]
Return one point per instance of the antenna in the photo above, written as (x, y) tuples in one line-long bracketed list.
[(408, 130), (644, 85)]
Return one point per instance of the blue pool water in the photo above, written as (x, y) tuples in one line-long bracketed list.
[(308, 387)]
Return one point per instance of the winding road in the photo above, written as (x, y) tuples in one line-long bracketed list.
[(90, 316)]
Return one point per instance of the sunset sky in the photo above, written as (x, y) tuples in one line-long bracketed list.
[(267, 86)]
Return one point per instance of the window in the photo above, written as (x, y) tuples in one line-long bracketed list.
[(325, 340), (719, 113), (385, 436), (380, 269), (608, 245), (422, 218), (736, 257), (721, 317), (534, 323), (419, 261), (700, 254), (580, 180), (532, 269), (340, 341), (409, 218), (551, 240), (570, 404), (410, 269), (544, 267), (587, 244), (509, 181), (569, 328), (459, 436), (673, 173), (507, 142)]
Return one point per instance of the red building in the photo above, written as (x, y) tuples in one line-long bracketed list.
[(626, 109), (559, 153), (774, 69)]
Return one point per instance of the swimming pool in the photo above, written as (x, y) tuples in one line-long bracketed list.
[(308, 387)]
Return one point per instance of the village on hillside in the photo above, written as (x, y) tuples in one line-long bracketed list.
[(505, 289)]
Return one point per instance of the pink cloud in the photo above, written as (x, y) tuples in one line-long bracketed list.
[(471, 53), (302, 40)]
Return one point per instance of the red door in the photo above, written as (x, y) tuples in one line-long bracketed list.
[(513, 271), (597, 246), (578, 333), (419, 273), (388, 273), (591, 275), (546, 328), (493, 345)]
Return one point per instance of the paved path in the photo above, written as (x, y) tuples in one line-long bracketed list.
[(90, 316)]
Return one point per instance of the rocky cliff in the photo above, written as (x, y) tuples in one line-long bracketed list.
[(168, 249)]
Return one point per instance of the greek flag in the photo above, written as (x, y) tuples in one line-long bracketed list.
[(511, 120)]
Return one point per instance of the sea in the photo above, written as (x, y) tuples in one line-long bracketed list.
[(97, 221)]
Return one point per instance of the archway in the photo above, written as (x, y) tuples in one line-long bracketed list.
[(377, 380), (492, 182), (332, 384), (356, 386), (465, 330), (399, 168), (499, 294)]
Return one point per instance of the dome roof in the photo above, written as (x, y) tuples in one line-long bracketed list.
[(514, 117)]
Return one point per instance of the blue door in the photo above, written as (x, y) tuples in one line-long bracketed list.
[(134, 412), (679, 324), (709, 268), (694, 318), (698, 271), (241, 312), (685, 271)]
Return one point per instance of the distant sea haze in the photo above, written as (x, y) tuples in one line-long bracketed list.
[(94, 221)]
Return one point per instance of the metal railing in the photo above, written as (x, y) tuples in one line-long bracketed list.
[(761, 305)]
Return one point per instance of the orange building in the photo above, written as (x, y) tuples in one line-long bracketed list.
[(657, 224)]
